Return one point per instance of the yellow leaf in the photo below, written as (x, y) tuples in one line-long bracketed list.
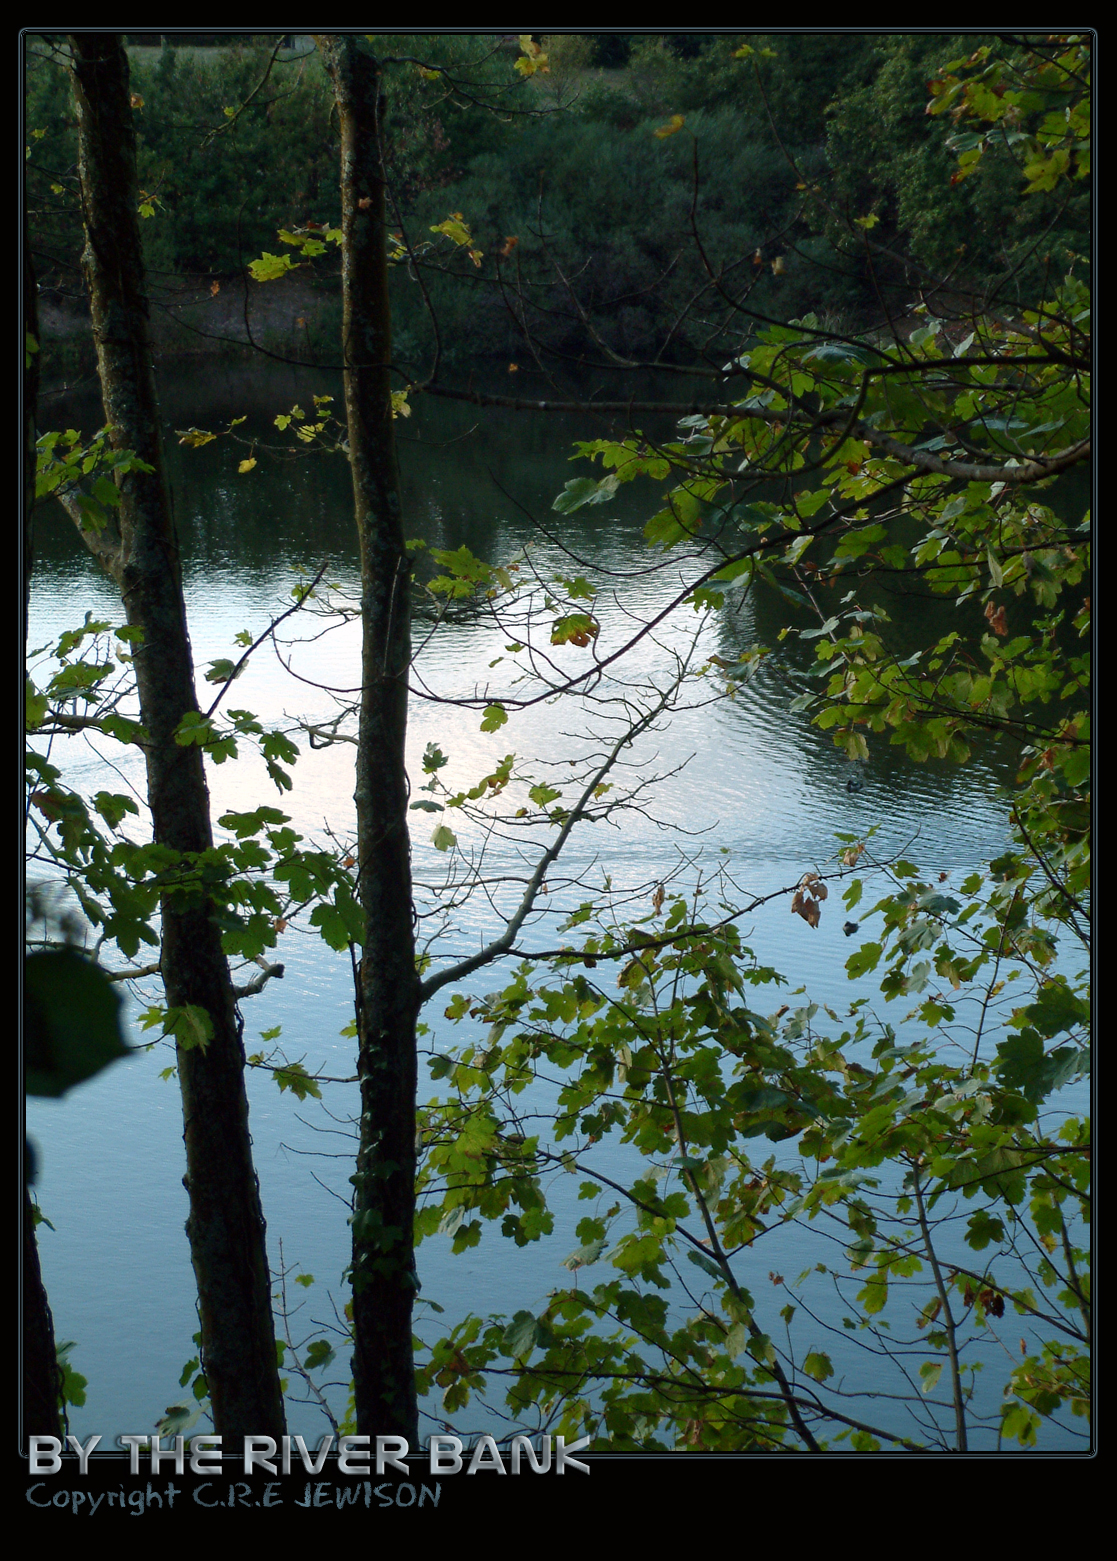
[(246, 466), (672, 127), (532, 59)]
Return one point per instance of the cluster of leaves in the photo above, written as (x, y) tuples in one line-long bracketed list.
[(1041, 110), (65, 466), (917, 456), (882, 1143), (955, 208), (256, 880), (922, 458)]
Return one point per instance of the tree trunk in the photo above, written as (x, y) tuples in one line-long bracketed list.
[(383, 1271), (30, 404), (226, 1225), (41, 1376), (40, 1362)]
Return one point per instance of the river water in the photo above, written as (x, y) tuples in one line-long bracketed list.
[(747, 789)]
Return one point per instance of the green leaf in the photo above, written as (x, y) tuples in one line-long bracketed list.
[(585, 490), (71, 1021), (269, 267), (293, 1076), (35, 706), (190, 1025), (1023, 1064), (72, 1385), (584, 1256), (706, 1264), (522, 1334), (818, 1366), (319, 1355), (983, 1228)]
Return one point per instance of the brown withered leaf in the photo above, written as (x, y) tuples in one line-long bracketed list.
[(47, 804), (813, 884), (928, 1314), (657, 898), (996, 616)]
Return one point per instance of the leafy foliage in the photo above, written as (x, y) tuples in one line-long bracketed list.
[(928, 458), (926, 1151)]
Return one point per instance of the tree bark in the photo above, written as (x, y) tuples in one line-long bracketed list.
[(383, 1267), (226, 1224), (40, 1361), (30, 404), (41, 1376)]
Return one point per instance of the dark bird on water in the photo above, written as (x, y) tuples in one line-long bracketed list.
[(850, 928), (854, 783)]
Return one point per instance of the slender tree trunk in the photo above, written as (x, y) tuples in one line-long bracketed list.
[(383, 1270), (226, 1225), (41, 1376), (30, 406), (40, 1360)]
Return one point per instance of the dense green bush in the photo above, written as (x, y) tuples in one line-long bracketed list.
[(786, 142), (633, 231), (890, 160), (224, 182)]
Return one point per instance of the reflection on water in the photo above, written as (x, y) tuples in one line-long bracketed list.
[(750, 790)]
